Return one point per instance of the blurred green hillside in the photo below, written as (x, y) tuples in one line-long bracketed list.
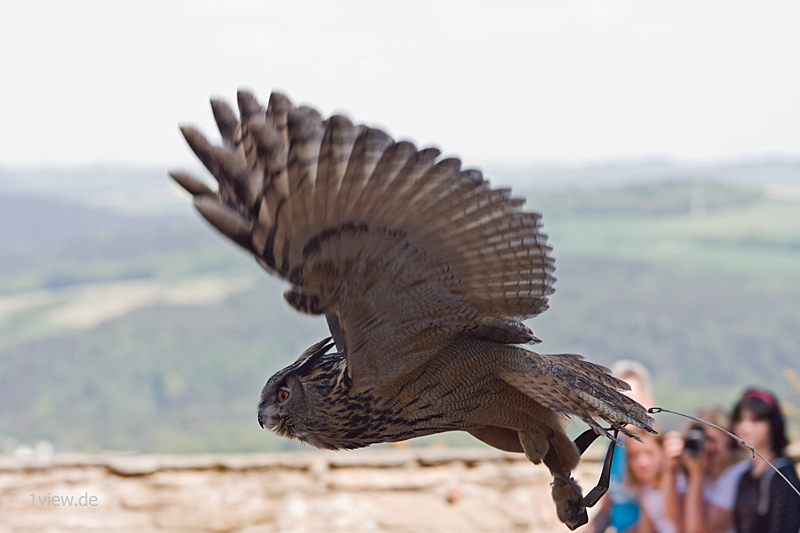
[(149, 332)]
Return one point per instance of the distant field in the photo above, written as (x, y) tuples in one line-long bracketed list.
[(758, 240), (152, 333)]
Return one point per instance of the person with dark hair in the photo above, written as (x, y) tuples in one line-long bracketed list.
[(765, 503)]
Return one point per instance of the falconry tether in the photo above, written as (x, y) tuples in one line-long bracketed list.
[(425, 275)]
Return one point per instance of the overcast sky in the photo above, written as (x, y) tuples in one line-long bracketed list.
[(496, 82)]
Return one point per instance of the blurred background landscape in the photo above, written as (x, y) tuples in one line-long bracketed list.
[(661, 141), (128, 324)]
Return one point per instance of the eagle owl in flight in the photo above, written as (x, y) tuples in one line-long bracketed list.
[(424, 274)]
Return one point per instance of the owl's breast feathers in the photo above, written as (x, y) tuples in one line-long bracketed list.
[(337, 417)]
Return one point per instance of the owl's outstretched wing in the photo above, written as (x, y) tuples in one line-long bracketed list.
[(402, 248)]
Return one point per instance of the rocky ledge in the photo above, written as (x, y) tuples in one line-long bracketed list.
[(403, 490)]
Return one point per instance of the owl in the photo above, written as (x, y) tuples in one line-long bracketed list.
[(424, 273)]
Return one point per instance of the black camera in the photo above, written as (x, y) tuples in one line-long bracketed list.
[(695, 440)]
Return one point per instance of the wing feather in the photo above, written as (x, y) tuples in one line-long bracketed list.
[(405, 249)]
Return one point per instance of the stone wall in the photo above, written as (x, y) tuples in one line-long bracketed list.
[(410, 490), (394, 490)]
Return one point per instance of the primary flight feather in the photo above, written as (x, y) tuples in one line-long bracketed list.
[(425, 275)]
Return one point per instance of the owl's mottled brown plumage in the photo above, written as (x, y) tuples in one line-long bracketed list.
[(425, 274)]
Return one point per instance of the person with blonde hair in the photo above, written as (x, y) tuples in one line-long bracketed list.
[(649, 476), (619, 508)]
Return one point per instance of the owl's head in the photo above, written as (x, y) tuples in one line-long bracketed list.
[(290, 398)]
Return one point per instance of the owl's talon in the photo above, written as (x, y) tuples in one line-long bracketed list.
[(570, 506), (567, 495)]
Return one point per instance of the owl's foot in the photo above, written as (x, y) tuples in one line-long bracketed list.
[(561, 455), (570, 506), (567, 495)]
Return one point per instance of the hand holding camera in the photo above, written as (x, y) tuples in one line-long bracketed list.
[(694, 457), (695, 440)]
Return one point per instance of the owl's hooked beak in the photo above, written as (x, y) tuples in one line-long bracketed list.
[(269, 418), (263, 418)]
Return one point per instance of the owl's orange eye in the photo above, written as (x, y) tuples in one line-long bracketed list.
[(282, 395)]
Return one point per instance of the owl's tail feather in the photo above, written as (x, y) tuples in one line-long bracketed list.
[(569, 384)]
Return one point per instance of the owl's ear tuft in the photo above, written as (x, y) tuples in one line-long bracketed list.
[(319, 348)]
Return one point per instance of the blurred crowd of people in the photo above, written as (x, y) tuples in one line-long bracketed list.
[(702, 480)]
